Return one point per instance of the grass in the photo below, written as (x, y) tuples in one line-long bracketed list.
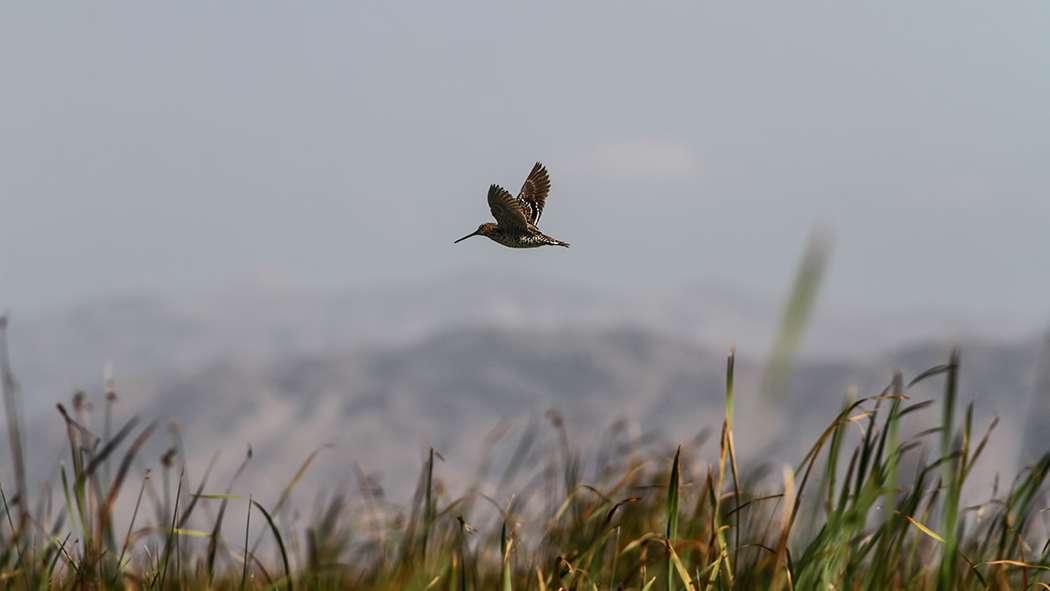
[(845, 517), (866, 508)]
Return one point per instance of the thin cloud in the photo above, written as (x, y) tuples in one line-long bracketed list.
[(636, 161), (947, 190)]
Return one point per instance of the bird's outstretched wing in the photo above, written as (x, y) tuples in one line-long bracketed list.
[(533, 194), (507, 210)]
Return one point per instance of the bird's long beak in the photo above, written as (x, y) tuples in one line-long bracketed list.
[(465, 237)]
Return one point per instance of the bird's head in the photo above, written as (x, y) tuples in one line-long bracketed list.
[(483, 230)]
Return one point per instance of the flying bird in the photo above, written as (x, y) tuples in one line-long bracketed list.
[(516, 218)]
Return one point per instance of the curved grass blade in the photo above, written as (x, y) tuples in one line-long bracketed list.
[(672, 517), (796, 314), (280, 543)]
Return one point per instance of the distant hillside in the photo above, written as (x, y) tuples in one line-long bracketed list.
[(265, 317), (385, 406)]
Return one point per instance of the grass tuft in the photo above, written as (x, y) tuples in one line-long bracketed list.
[(845, 517), (868, 507)]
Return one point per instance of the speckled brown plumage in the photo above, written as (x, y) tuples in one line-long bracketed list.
[(516, 218)]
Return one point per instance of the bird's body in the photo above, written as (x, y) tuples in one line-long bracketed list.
[(531, 238), (516, 218)]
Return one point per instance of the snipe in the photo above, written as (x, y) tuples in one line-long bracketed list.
[(516, 218)]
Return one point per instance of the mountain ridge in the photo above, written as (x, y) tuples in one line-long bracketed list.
[(383, 407), (268, 316)]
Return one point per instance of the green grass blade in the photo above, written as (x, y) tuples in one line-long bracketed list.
[(280, 543), (672, 515), (796, 314)]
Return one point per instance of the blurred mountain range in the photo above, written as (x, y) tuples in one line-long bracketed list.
[(266, 315), (462, 362)]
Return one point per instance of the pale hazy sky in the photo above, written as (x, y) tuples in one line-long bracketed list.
[(176, 145)]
